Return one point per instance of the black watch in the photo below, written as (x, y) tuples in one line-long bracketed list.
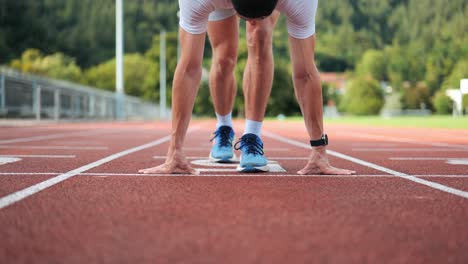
[(321, 142)]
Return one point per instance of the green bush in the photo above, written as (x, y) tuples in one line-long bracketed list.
[(138, 76), (442, 103), (374, 64), (460, 71), (57, 65), (415, 96), (363, 97)]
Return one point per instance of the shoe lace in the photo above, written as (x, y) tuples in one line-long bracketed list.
[(224, 134), (251, 145)]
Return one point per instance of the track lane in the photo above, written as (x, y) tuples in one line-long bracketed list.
[(234, 219), (212, 220), (384, 158), (117, 141)]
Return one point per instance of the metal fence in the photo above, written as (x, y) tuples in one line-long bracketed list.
[(29, 96)]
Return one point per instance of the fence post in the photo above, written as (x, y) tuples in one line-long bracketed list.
[(37, 100), (77, 107), (2, 93), (104, 107), (56, 105), (92, 106)]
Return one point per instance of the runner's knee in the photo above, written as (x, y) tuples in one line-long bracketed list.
[(260, 36), (225, 64)]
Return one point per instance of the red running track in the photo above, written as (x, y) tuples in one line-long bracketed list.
[(70, 194)]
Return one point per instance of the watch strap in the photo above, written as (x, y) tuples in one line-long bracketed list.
[(323, 141)]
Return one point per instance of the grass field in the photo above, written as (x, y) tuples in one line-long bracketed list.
[(423, 121)]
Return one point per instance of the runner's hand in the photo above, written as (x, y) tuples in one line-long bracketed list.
[(318, 164), (176, 163)]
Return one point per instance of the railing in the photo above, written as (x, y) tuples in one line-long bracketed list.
[(29, 96)]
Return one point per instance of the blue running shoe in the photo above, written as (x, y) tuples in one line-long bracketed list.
[(252, 158), (222, 151)]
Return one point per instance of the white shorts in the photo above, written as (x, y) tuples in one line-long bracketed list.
[(221, 14), (195, 14)]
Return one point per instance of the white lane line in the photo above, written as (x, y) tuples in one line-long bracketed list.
[(231, 175), (426, 158), (209, 148), (76, 143), (369, 144), (273, 166), (53, 147), (457, 161), (434, 185), (451, 161), (409, 149), (268, 157), (22, 194), (236, 175), (164, 157), (60, 135), (401, 140), (6, 160), (210, 163), (30, 173), (40, 156)]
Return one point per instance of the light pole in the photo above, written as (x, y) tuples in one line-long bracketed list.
[(119, 68)]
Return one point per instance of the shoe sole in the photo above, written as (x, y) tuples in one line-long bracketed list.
[(253, 168), (232, 159)]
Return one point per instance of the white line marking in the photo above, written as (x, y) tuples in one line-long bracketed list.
[(61, 135), (368, 144), (164, 157), (232, 175), (210, 163), (209, 148), (5, 160), (30, 173), (401, 140), (409, 149), (424, 158), (237, 174), (268, 157), (452, 161), (76, 142), (288, 158), (22, 194), (215, 170), (54, 147), (457, 161), (434, 185), (40, 156), (273, 166)]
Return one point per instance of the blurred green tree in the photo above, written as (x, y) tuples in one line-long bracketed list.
[(58, 65), (374, 64), (363, 97), (415, 96), (137, 81), (442, 103)]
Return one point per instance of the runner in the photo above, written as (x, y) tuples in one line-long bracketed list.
[(301, 27)]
